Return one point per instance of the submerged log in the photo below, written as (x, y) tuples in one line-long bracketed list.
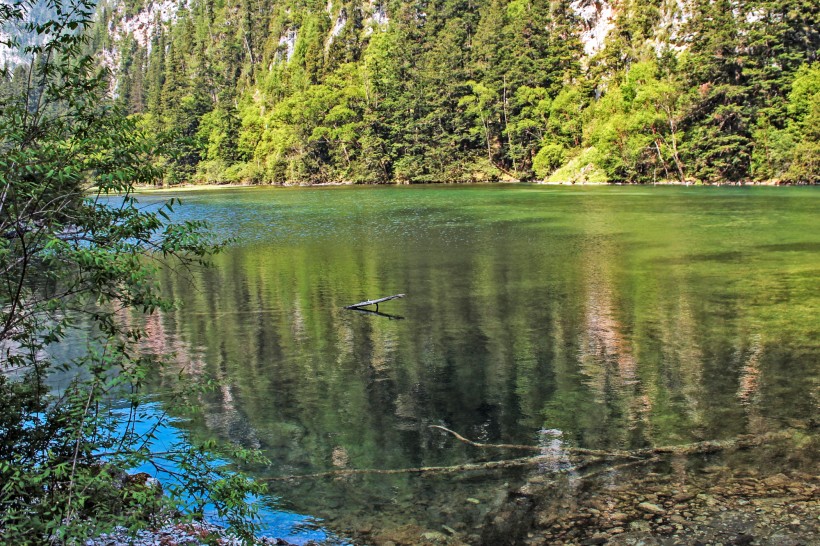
[(466, 467), (707, 446), (565, 449), (594, 458), (470, 467), (375, 302)]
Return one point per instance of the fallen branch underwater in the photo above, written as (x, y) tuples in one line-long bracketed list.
[(638, 457), (490, 465), (467, 467), (706, 446), (569, 450)]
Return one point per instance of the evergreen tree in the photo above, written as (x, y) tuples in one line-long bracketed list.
[(718, 119)]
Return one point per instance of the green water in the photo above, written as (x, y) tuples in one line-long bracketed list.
[(622, 317)]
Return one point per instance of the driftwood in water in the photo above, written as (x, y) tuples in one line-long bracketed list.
[(375, 302), (467, 467), (707, 446), (572, 450), (639, 456)]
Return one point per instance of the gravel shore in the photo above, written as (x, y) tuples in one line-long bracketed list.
[(177, 534)]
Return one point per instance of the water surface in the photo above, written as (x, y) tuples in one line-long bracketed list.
[(604, 318)]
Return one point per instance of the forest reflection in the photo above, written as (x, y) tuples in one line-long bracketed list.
[(510, 329)]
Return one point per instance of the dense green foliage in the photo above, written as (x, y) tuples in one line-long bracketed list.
[(466, 90), (77, 253)]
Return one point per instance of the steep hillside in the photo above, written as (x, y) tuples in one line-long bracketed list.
[(298, 91)]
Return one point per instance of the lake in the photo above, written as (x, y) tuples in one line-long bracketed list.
[(604, 318)]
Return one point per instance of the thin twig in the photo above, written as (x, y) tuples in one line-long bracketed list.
[(573, 450), (707, 446)]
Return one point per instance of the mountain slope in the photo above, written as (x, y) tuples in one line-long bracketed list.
[(297, 91)]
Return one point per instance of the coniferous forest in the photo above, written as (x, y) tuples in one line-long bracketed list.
[(304, 91)]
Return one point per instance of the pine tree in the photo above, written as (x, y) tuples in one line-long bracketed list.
[(155, 75), (718, 144)]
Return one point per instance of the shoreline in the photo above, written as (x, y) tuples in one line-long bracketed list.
[(178, 533), (187, 186)]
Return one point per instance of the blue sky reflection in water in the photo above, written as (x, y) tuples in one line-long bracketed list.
[(296, 528), (622, 317)]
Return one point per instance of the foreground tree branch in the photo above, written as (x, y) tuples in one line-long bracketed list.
[(71, 258)]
